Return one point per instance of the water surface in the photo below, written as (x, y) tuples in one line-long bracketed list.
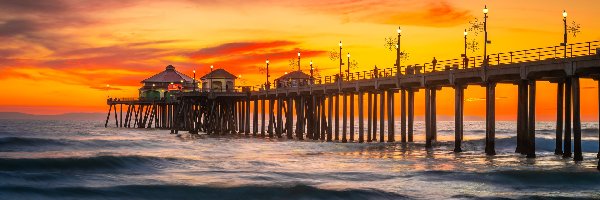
[(74, 160)]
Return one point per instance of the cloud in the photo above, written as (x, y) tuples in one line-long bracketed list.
[(238, 47)]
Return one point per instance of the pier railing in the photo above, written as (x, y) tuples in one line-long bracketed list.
[(496, 59)]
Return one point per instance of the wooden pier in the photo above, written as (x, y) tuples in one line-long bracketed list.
[(315, 108)]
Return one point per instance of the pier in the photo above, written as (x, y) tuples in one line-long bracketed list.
[(312, 111)]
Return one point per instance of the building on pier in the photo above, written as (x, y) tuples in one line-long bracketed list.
[(218, 80), (164, 83), (293, 79)]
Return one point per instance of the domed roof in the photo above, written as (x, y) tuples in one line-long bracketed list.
[(170, 75)]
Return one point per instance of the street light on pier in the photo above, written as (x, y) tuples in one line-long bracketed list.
[(348, 65), (465, 59), (485, 42), (298, 60), (267, 85), (194, 81), (311, 72), (210, 79), (398, 52), (564, 14), (341, 63)]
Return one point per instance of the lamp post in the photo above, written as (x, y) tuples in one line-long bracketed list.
[(564, 14), (298, 61), (267, 85), (107, 90), (348, 66), (485, 16), (311, 72), (465, 50), (341, 63), (210, 79), (398, 52), (194, 81)]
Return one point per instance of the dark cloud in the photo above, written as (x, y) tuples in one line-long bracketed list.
[(18, 27), (33, 6)]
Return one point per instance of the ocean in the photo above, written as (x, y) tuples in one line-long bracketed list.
[(83, 160)]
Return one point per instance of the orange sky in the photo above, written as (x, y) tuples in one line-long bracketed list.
[(58, 56)]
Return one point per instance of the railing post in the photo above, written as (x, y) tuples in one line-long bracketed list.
[(589, 48), (511, 57)]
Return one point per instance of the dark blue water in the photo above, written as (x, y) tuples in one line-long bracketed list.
[(84, 160)]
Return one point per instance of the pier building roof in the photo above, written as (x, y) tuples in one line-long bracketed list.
[(294, 75), (170, 75), (219, 74)]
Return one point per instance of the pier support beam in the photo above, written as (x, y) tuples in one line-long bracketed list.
[(411, 114), (351, 117), (403, 115), (427, 118), (577, 153), (329, 118), (279, 129), (391, 135), (361, 128), (375, 116), (369, 115), (522, 117), (458, 117), (558, 150), (262, 117), (289, 120), (490, 125), (255, 118), (271, 117), (345, 117), (531, 125), (337, 117), (567, 153), (433, 111), (598, 156), (247, 120), (381, 116)]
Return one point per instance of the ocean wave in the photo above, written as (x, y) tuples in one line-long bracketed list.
[(85, 163), (194, 192), (522, 178), (33, 144)]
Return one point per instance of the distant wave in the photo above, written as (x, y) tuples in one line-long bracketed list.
[(32, 144), (83, 163), (195, 192), (522, 178)]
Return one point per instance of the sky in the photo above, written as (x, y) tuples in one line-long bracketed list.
[(58, 56)]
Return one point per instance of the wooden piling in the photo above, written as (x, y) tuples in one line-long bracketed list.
[(531, 125), (361, 128), (458, 117), (329, 117), (577, 153), (279, 130), (344, 118), (351, 117), (403, 115), (433, 114), (381, 116), (559, 117), (390, 111), (337, 117), (427, 118), (262, 117), (490, 119), (255, 118), (411, 114), (290, 118), (567, 139), (375, 116), (369, 115)]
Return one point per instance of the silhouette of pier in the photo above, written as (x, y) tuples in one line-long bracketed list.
[(312, 111)]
